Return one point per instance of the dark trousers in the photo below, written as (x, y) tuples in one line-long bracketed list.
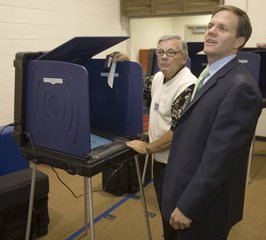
[(170, 233), (158, 175)]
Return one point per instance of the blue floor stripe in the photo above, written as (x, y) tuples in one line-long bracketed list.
[(81, 230)]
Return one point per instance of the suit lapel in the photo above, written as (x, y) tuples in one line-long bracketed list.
[(210, 83), (205, 88)]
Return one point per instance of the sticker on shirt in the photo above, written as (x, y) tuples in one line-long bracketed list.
[(156, 106)]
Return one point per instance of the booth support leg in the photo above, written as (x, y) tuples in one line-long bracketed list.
[(88, 205), (143, 199), (251, 154), (145, 168), (31, 201)]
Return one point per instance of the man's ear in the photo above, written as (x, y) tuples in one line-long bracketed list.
[(240, 42)]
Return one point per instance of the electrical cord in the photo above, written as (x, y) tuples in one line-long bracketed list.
[(114, 172), (58, 177), (72, 192)]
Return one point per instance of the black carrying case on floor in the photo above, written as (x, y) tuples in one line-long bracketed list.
[(14, 199), (122, 178)]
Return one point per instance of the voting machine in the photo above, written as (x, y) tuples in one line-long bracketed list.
[(73, 113)]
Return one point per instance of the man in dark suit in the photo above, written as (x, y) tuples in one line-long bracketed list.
[(205, 178)]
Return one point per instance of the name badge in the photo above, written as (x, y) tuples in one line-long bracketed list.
[(156, 106)]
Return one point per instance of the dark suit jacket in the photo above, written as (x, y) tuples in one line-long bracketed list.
[(206, 172)]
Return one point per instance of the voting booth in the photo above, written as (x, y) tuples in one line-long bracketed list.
[(65, 96), (74, 113)]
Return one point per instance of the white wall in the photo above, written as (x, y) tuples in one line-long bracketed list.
[(243, 4), (144, 32), (41, 25), (256, 12)]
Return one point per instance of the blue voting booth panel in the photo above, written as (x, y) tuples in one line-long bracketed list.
[(262, 75), (116, 109), (198, 63), (194, 48), (251, 61), (67, 97), (57, 112), (79, 49)]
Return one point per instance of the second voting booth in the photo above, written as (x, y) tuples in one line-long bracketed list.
[(73, 113)]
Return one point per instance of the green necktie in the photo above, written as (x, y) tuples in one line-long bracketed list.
[(199, 82)]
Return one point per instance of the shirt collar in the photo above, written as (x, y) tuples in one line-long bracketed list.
[(214, 67)]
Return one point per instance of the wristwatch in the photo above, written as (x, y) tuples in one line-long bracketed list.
[(147, 147)]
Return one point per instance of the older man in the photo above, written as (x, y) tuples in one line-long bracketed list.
[(169, 91)]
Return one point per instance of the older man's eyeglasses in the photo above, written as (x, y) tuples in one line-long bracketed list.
[(169, 53)]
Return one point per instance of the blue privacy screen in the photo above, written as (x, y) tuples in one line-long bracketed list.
[(117, 110), (67, 97), (57, 106)]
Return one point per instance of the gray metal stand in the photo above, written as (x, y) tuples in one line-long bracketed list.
[(143, 198), (251, 154), (31, 201), (145, 168), (88, 203)]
